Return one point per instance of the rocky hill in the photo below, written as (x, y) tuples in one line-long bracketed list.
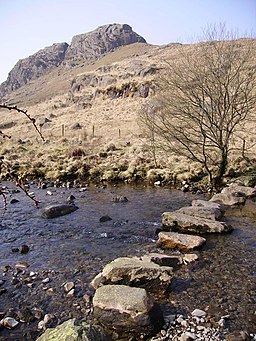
[(87, 46), (33, 67), (95, 44), (87, 100)]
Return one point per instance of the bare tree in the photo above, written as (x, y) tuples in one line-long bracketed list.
[(205, 99), (19, 180)]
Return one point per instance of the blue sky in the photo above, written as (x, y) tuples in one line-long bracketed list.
[(29, 25)]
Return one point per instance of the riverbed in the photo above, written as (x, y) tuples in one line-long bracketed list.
[(75, 248)]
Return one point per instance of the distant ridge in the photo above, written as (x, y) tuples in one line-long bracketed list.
[(87, 46)]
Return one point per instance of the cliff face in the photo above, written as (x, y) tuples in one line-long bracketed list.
[(92, 45), (87, 46), (33, 67)]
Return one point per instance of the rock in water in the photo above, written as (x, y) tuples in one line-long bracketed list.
[(179, 241), (135, 272), (55, 211), (180, 222), (105, 218), (126, 309), (70, 330)]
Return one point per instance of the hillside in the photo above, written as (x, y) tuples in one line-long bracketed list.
[(88, 109)]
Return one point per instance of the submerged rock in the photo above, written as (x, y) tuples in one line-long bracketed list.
[(126, 310), (178, 241), (135, 272), (70, 330), (55, 211), (119, 198), (105, 218)]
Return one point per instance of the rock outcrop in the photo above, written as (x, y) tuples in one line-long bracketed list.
[(88, 46), (92, 45), (34, 67)]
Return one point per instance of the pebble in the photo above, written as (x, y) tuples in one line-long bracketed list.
[(181, 328), (24, 249), (9, 322), (71, 293), (189, 258), (105, 218), (69, 286), (198, 313), (2, 291), (83, 189), (46, 280), (71, 199), (187, 336), (21, 265), (14, 201)]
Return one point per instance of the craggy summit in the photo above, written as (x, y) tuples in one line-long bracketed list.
[(86, 46)]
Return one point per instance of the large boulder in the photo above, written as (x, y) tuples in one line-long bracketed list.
[(55, 211), (126, 310), (70, 330), (180, 222), (135, 272), (179, 241)]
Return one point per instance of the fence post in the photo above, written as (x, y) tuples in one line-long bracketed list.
[(119, 133), (93, 131), (62, 130)]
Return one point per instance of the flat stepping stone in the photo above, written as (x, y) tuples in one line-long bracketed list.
[(202, 212), (135, 272), (184, 223), (179, 241)]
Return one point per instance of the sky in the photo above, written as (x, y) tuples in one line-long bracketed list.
[(27, 26)]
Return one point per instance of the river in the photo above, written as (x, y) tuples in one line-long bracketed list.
[(75, 248)]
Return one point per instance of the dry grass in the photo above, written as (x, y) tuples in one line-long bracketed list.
[(105, 121)]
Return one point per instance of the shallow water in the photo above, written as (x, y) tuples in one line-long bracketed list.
[(77, 246)]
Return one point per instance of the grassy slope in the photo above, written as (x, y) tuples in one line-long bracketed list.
[(114, 120)]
